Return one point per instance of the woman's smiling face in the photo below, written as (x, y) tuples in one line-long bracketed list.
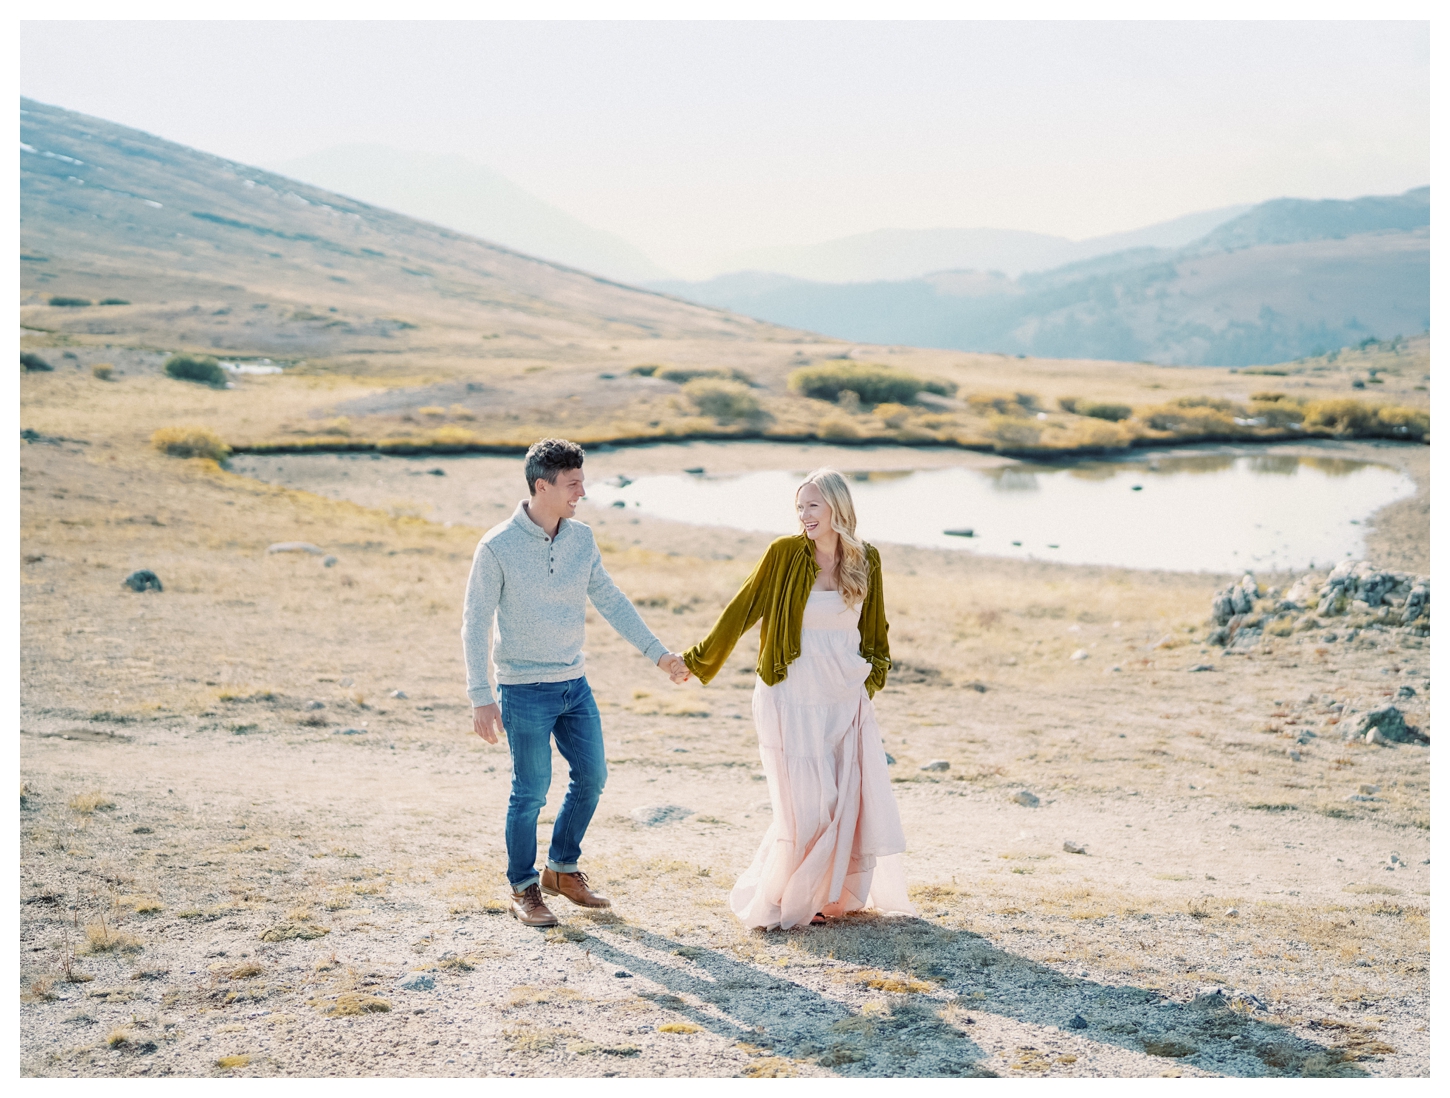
[(813, 510)]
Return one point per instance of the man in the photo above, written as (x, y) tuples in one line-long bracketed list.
[(535, 571)]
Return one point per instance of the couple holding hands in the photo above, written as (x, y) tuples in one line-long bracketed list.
[(835, 842)]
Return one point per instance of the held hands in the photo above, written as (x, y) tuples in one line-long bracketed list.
[(673, 666), (487, 722)]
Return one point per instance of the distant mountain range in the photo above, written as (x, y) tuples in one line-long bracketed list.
[(892, 255), (1278, 281), (460, 194)]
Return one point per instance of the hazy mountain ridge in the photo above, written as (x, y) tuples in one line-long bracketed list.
[(1280, 281), (893, 255), (472, 199), (109, 211)]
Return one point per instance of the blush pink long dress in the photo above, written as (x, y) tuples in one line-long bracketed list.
[(836, 841)]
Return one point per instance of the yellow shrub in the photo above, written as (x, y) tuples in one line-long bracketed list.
[(1342, 417), (190, 442), (892, 414), (103, 370), (836, 427)]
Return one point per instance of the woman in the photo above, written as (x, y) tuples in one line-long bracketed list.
[(835, 843)]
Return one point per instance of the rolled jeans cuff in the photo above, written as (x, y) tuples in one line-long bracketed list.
[(522, 885), (562, 867)]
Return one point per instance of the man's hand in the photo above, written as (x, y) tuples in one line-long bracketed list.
[(673, 666), (487, 722)]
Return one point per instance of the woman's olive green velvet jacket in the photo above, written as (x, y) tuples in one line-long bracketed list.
[(775, 595)]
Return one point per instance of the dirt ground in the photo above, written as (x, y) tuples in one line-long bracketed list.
[(257, 837)]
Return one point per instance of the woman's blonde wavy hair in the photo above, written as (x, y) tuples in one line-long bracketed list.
[(852, 572)]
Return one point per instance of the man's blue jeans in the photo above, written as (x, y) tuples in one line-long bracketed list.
[(531, 712)]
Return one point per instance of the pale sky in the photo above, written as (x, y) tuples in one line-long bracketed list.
[(697, 140)]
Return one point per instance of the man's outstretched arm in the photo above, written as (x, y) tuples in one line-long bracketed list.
[(619, 612)]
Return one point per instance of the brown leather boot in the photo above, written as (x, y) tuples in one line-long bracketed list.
[(573, 887), (528, 907)]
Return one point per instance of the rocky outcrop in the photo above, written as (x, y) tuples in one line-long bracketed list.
[(1355, 592)]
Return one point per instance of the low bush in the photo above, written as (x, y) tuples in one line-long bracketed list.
[(1277, 413), (1113, 413), (1096, 434), (1006, 404), (1268, 397), (201, 368), (103, 371), (837, 428), (70, 302), (1068, 404), (1341, 417), (1015, 433), (1188, 420), (113, 301), (1217, 404), (190, 442), (893, 415), (1402, 422), (725, 400), (873, 383), (680, 375), (30, 362)]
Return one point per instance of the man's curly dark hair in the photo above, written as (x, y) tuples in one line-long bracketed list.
[(549, 457)]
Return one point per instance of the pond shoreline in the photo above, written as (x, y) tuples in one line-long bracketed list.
[(414, 447)]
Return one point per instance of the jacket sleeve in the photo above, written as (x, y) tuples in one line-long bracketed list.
[(619, 612), (480, 601), (706, 658), (874, 645)]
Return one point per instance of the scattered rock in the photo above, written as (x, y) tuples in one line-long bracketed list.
[(1201, 667), (622, 975), (350, 732), (1232, 913), (963, 532), (1073, 848), (1080, 654), (418, 981), (1369, 790), (437, 473), (283, 932), (659, 814), (937, 765), (890, 759), (314, 705), (143, 579), (1026, 799), (1211, 1000), (1407, 691), (328, 561), (1358, 797), (398, 694), (1387, 725), (294, 547), (1294, 755), (1077, 1021)]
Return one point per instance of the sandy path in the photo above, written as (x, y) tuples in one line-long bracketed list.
[(230, 816)]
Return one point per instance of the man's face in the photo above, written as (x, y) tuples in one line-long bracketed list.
[(564, 494)]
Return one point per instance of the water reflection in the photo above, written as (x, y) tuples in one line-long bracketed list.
[(1218, 512)]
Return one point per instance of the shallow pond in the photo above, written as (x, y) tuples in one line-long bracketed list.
[(1217, 512)]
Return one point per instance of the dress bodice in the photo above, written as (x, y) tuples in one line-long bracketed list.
[(827, 610)]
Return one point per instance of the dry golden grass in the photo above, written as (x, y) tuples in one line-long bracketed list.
[(101, 938), (227, 1063), (87, 803), (350, 1003), (679, 1027)]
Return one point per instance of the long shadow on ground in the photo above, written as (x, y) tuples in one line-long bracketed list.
[(919, 1036)]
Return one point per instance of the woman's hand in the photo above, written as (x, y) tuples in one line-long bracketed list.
[(675, 667)]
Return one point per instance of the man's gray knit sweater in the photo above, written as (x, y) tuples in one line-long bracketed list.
[(537, 586)]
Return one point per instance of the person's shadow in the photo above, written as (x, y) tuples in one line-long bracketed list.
[(917, 1030)]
